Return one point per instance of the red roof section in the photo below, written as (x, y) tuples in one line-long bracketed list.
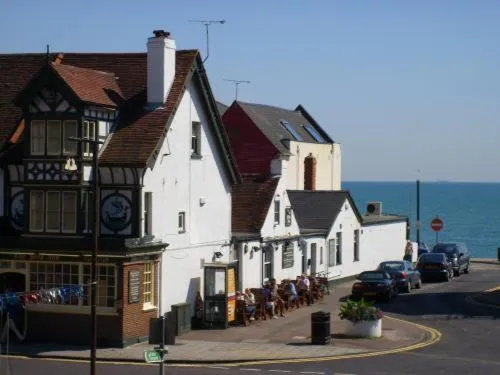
[(91, 86), (251, 200)]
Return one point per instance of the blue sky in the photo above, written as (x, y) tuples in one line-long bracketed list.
[(404, 86)]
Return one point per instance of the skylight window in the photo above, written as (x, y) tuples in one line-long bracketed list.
[(291, 130), (314, 133)]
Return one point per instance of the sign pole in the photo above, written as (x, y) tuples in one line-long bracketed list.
[(162, 345)]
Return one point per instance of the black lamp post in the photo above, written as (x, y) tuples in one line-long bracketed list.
[(71, 167)]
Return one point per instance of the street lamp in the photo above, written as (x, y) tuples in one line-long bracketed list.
[(71, 167)]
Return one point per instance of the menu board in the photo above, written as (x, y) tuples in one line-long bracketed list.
[(134, 283), (231, 293), (287, 257)]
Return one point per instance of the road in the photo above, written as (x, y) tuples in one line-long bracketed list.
[(469, 345)]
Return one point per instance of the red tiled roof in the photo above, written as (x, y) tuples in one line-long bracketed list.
[(91, 86), (251, 200)]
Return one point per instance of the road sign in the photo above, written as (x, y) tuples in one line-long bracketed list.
[(152, 356), (436, 224)]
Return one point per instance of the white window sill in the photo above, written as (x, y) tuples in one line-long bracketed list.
[(149, 307)]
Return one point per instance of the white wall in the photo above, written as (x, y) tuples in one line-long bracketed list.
[(177, 183), (2, 192), (328, 165)]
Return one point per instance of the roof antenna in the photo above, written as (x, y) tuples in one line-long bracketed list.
[(236, 82), (208, 23)]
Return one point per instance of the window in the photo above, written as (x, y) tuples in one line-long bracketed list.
[(88, 211), (196, 139), (37, 140), (288, 216), (338, 249), (182, 222), (69, 212), (70, 129), (291, 130), (268, 264), (321, 255), (276, 212), (88, 133), (55, 275), (53, 137), (310, 173), (106, 285), (331, 253), (36, 211), (314, 133), (148, 283), (356, 245), (148, 213), (53, 211)]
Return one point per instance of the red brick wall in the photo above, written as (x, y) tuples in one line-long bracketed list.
[(251, 148), (135, 320)]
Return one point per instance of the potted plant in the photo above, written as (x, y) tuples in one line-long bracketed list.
[(365, 318)]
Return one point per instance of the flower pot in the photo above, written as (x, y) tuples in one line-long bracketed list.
[(365, 328)]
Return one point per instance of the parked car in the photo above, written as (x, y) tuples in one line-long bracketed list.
[(423, 248), (407, 277), (374, 284), (434, 265), (456, 253)]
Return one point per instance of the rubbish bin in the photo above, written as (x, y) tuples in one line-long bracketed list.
[(155, 330), (320, 328)]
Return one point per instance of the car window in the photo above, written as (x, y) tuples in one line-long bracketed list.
[(372, 276), (447, 248), (392, 266)]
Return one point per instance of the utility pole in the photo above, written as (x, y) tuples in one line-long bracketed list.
[(418, 212), (207, 23), (236, 84), (71, 167)]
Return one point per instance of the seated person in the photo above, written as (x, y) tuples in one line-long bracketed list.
[(250, 300), (269, 300), (280, 304), (291, 293)]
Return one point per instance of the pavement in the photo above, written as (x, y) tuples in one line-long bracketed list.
[(273, 339), (491, 296)]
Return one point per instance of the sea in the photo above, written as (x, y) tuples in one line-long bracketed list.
[(470, 211)]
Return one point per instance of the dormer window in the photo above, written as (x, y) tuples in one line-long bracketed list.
[(53, 137), (37, 137), (70, 129)]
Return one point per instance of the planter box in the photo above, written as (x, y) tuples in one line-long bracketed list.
[(365, 328)]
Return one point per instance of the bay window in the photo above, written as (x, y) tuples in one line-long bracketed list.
[(70, 129), (53, 137), (37, 137), (53, 211), (37, 209), (89, 129)]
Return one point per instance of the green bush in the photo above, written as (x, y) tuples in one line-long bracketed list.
[(356, 311)]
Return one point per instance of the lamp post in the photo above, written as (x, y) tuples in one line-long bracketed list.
[(71, 167)]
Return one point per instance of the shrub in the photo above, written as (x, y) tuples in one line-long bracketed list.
[(356, 311)]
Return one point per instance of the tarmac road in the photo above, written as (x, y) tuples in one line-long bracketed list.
[(469, 345)]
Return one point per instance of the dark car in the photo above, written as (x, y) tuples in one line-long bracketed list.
[(434, 265), (374, 284), (457, 254), (407, 277)]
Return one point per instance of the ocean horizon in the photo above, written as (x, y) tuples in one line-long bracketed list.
[(470, 211)]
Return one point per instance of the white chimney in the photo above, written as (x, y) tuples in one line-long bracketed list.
[(161, 67)]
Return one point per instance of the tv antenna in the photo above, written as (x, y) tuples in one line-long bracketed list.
[(236, 82), (207, 23)]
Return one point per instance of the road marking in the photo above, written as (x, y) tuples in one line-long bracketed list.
[(312, 372), (492, 289), (279, 370), (219, 367), (250, 369)]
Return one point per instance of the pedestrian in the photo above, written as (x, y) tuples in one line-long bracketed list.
[(408, 252)]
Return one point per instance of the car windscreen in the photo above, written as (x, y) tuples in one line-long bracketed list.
[(371, 276), (392, 266), (445, 248), (429, 257)]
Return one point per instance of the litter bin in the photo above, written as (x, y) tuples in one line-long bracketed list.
[(155, 330), (320, 328)]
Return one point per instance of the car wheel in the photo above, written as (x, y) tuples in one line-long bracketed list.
[(467, 270), (419, 283), (456, 273), (408, 287), (447, 276)]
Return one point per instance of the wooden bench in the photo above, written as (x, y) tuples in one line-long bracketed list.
[(242, 314)]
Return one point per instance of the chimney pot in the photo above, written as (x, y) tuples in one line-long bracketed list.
[(161, 33)]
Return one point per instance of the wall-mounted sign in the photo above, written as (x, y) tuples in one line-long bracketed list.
[(116, 212), (17, 209), (287, 256), (134, 283)]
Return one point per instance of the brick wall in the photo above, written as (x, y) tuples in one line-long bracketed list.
[(310, 173), (135, 320)]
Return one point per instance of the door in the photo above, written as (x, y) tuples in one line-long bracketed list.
[(313, 259)]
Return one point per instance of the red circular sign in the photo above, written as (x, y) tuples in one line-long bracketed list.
[(436, 224)]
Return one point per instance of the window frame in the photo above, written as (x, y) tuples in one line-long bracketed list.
[(149, 274), (41, 213), (48, 137), (288, 216), (58, 211), (331, 252), (181, 222), (338, 248), (277, 209), (41, 139), (75, 210), (148, 213), (356, 245), (66, 143), (87, 149), (195, 139)]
